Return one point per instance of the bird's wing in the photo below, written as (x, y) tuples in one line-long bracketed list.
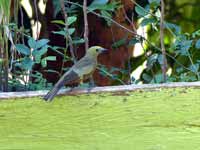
[(68, 78), (85, 66)]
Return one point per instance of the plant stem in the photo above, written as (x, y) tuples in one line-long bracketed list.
[(68, 38), (164, 63)]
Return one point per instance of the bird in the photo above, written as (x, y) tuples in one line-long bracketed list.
[(80, 71)]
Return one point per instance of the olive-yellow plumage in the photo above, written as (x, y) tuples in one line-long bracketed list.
[(81, 70)]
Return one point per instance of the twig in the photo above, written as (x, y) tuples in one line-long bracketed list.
[(130, 21), (67, 30), (164, 65), (110, 75), (196, 70)]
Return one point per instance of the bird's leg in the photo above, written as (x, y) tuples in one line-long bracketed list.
[(91, 83), (82, 84)]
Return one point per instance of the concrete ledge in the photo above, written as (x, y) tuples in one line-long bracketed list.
[(8, 95)]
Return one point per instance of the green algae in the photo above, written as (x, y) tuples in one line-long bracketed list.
[(165, 119)]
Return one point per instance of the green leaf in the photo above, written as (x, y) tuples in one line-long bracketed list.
[(173, 27), (197, 45), (99, 2), (108, 7), (70, 20), (48, 58), (61, 22), (158, 78), (61, 32), (183, 47), (160, 59), (195, 34), (152, 60), (78, 41), (37, 53), (27, 63), (147, 21), (41, 43), (51, 58), (140, 11), (64, 33), (194, 68), (32, 43), (71, 31), (146, 77), (179, 70), (154, 3), (107, 15), (119, 43), (23, 49), (133, 41)]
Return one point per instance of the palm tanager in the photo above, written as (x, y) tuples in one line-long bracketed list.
[(80, 71)]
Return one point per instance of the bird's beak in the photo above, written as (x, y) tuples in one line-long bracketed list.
[(103, 50)]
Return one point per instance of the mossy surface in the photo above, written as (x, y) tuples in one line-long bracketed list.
[(166, 119)]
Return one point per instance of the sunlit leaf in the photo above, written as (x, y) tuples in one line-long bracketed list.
[(140, 11), (37, 53), (70, 20), (32, 43), (23, 49), (78, 41), (148, 21), (197, 45), (64, 33), (133, 41), (41, 43), (27, 63)]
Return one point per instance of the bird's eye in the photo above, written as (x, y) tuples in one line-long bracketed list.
[(97, 50)]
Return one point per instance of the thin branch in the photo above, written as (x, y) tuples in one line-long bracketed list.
[(111, 75), (164, 65), (86, 30), (130, 21), (68, 38)]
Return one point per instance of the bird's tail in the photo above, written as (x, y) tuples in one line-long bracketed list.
[(68, 77), (52, 93)]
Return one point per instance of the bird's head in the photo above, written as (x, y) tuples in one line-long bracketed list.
[(96, 50)]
